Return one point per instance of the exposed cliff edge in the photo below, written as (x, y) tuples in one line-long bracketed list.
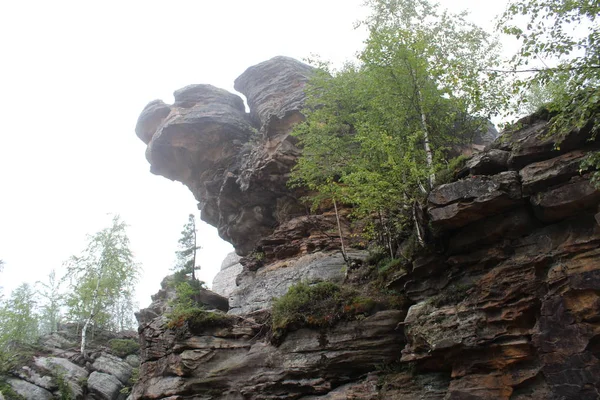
[(506, 304)]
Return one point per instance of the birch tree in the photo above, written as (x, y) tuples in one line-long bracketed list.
[(379, 129), (52, 298), (18, 318), (99, 278)]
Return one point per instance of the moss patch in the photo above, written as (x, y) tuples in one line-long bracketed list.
[(317, 306), (197, 319)]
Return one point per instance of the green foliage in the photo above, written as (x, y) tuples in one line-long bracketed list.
[(558, 54), (102, 282), (64, 389), (447, 174), (123, 347), (186, 256), (197, 319), (18, 320), (320, 305), (376, 132), (135, 376), (592, 161), (52, 301), (188, 311)]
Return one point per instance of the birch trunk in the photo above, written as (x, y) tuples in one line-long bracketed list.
[(426, 142), (92, 314), (337, 217)]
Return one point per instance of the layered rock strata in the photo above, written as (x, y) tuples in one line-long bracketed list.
[(504, 304)]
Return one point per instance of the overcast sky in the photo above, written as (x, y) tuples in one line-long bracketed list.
[(74, 77)]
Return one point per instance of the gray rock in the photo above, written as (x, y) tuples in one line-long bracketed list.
[(224, 282), (32, 376), (274, 88), (457, 204), (29, 390), (150, 119), (104, 386), (57, 341), (257, 289), (236, 366), (114, 366), (50, 364), (566, 200), (488, 163), (133, 360)]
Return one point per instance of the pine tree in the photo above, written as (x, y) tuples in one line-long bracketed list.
[(188, 246)]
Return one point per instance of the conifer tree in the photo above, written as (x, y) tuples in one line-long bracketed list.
[(188, 246)]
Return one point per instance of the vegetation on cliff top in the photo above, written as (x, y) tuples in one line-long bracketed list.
[(379, 133)]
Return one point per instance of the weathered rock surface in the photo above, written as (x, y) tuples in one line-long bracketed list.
[(235, 164), (59, 371), (29, 390), (504, 305), (224, 282), (104, 386), (256, 289), (234, 364)]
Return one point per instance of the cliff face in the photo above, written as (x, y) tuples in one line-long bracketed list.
[(504, 304)]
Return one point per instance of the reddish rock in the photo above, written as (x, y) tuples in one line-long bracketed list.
[(566, 200)]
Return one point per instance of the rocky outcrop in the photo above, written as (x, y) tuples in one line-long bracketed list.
[(236, 164), (224, 282), (502, 304), (57, 370), (237, 363)]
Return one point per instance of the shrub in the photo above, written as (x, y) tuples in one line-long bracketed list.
[(123, 347), (320, 305), (197, 319)]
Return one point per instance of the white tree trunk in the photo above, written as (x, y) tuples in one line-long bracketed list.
[(337, 217), (428, 153), (92, 313), (426, 142)]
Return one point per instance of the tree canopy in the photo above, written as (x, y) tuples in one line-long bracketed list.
[(377, 131)]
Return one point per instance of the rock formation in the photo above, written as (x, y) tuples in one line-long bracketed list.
[(504, 304), (56, 370)]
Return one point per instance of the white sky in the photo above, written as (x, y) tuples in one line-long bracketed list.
[(74, 76)]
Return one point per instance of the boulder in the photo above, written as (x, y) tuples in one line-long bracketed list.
[(104, 386), (29, 390), (114, 366)]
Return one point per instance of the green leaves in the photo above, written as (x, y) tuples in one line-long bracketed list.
[(18, 319), (186, 256), (377, 131), (102, 279), (562, 38)]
